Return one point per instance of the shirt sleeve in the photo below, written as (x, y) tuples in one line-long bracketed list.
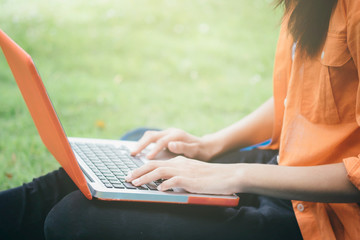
[(352, 164)]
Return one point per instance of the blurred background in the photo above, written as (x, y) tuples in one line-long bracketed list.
[(113, 65)]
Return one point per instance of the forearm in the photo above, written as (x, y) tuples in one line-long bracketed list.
[(326, 183), (252, 129)]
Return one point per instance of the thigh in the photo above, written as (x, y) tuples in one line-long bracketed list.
[(75, 217), (255, 155), (23, 209)]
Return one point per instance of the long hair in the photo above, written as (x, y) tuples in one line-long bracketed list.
[(308, 22)]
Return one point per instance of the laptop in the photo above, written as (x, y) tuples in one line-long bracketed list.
[(97, 166)]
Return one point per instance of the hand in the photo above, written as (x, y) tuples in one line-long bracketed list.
[(192, 175), (176, 141)]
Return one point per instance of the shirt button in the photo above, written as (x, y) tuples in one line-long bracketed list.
[(300, 207)]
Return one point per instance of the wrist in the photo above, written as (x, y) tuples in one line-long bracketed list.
[(242, 178), (212, 145)]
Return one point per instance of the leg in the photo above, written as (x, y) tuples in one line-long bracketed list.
[(256, 217), (23, 209), (136, 134), (252, 156), (75, 217)]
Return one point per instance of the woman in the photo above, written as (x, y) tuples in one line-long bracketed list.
[(313, 121)]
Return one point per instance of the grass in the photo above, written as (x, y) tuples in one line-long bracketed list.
[(194, 64)]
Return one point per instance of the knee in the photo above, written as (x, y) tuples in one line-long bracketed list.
[(64, 220)]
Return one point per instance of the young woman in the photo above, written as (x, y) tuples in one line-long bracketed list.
[(313, 121)]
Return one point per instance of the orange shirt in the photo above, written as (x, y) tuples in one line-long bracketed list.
[(317, 116)]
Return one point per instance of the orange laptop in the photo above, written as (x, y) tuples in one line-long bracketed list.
[(96, 166)]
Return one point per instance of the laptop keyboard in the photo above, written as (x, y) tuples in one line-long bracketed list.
[(111, 164)]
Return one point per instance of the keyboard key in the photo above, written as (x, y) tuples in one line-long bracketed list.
[(111, 178), (112, 181), (108, 174), (151, 186), (129, 185), (119, 186), (122, 179), (113, 168), (119, 174), (101, 177), (158, 182)]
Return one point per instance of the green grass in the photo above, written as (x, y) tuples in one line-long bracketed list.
[(194, 64)]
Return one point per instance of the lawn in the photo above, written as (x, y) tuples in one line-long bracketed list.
[(110, 66)]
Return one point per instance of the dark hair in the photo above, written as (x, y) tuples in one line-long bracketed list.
[(308, 22)]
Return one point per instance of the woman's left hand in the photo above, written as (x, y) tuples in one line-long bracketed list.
[(192, 175)]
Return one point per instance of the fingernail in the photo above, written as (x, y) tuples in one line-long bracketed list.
[(172, 145), (128, 176), (135, 182), (159, 188), (133, 152)]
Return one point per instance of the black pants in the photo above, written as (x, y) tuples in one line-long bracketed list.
[(51, 207)]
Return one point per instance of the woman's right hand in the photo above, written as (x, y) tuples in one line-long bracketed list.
[(176, 141)]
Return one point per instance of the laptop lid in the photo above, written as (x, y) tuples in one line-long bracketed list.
[(41, 110)]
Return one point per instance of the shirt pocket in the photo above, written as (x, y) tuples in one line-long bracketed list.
[(318, 103)]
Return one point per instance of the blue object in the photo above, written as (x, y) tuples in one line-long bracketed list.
[(267, 142)]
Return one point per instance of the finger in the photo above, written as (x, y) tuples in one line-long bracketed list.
[(188, 149), (158, 173), (150, 166), (160, 145), (176, 182), (149, 137)]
